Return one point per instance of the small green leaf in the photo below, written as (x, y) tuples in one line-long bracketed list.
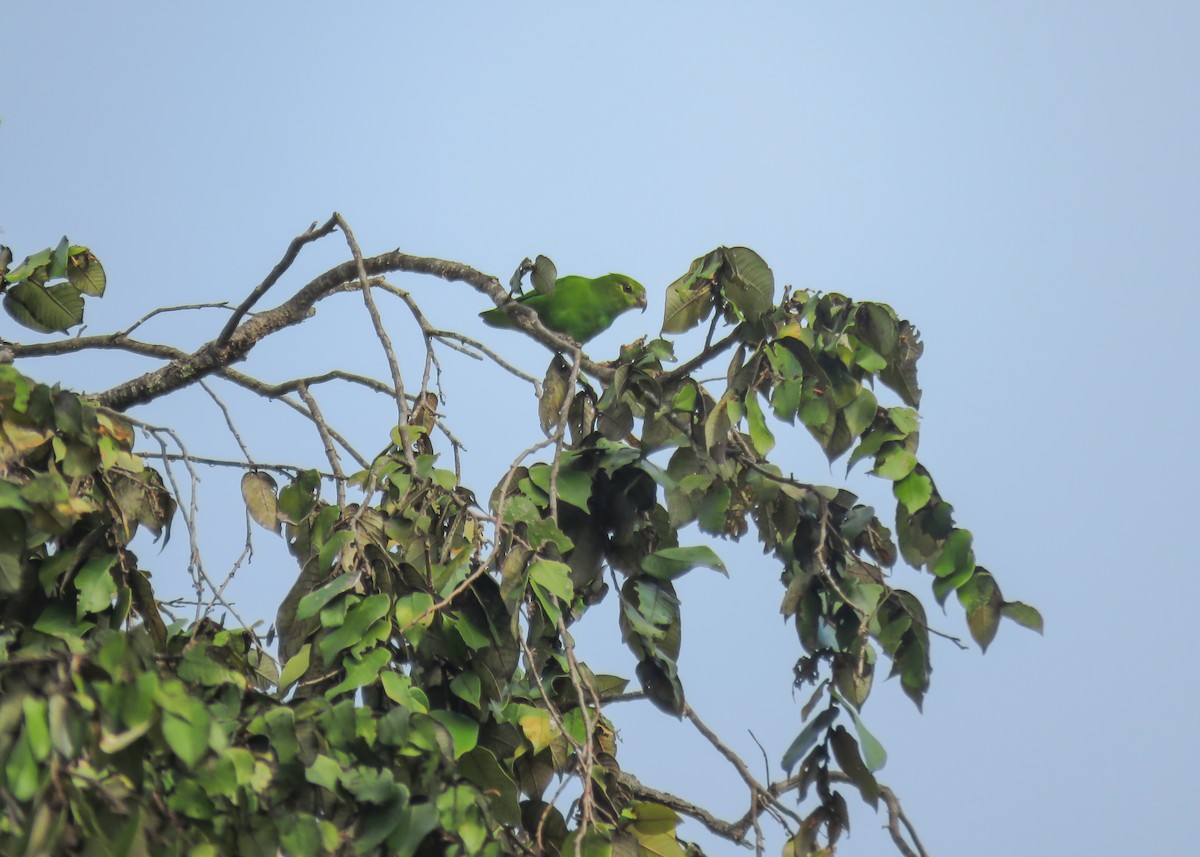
[(760, 434), (572, 486), (315, 601), (914, 491), (956, 555), (186, 729), (554, 577), (808, 736), (324, 772), (463, 730), (296, 666), (85, 272), (58, 261), (1023, 615), (860, 413), (670, 563), (895, 463), (873, 753), (96, 586)]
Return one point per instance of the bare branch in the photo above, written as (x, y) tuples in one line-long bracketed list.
[(228, 421), (311, 234), (285, 469)]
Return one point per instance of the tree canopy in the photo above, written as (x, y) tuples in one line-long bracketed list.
[(426, 695)]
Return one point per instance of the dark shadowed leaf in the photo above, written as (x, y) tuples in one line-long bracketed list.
[(747, 281), (45, 309)]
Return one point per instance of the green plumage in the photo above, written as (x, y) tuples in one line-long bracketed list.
[(580, 307)]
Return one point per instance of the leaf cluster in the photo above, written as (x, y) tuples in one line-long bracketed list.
[(427, 695), (46, 291)]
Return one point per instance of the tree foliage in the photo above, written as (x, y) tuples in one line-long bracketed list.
[(427, 697)]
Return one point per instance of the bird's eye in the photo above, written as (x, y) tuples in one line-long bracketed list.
[(628, 287)]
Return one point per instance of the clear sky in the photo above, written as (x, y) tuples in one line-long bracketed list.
[(1019, 179)]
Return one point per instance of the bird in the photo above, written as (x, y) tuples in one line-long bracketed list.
[(580, 307)]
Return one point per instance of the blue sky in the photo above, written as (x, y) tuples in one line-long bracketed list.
[(1019, 179)]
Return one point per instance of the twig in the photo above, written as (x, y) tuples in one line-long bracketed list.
[(285, 469), (166, 309), (335, 463), (313, 233), (382, 335), (228, 420)]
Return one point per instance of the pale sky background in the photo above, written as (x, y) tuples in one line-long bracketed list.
[(1019, 179)]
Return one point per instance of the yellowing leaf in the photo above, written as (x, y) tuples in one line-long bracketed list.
[(258, 490)]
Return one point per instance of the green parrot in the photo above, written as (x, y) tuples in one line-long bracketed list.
[(580, 307)]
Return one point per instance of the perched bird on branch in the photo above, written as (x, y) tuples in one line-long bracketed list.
[(580, 307)]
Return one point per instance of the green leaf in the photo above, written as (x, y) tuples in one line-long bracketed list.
[(315, 601), (808, 736), (44, 309), (904, 419), (913, 491), (96, 586), (58, 261), (324, 772), (480, 768), (747, 282), (895, 463), (1023, 615), (296, 666), (670, 563), (573, 486), (360, 671), (353, 629), (554, 577), (873, 753), (332, 549), (21, 770), (760, 434), (956, 555), (37, 726), (463, 730), (85, 272), (466, 686), (860, 413), (185, 729)]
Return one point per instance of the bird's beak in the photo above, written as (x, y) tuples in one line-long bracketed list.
[(641, 301)]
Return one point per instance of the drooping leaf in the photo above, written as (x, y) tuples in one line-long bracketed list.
[(690, 298), (1024, 615), (85, 272), (259, 493), (543, 276), (747, 281), (44, 309), (807, 737), (669, 563), (845, 751)]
